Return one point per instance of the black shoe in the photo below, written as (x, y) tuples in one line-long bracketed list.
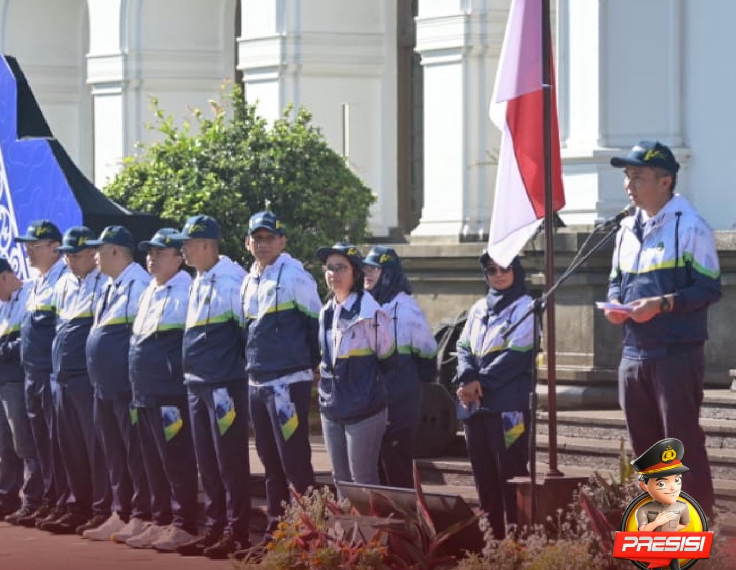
[(65, 525), (258, 549), (227, 545), (6, 511), (22, 512), (197, 547), (29, 519), (94, 522), (55, 514)]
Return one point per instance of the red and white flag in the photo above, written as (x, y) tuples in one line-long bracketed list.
[(516, 109)]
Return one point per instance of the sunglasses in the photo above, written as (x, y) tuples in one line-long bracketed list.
[(495, 269)]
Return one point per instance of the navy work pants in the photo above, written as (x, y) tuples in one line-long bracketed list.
[(42, 418), (223, 458), (82, 453), (661, 398), (120, 438), (396, 460), (171, 466), (287, 461)]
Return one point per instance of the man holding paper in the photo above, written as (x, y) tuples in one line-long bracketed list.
[(665, 266)]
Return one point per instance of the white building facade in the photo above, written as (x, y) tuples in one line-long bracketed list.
[(401, 87)]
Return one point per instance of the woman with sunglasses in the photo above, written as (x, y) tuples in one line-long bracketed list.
[(494, 381), (357, 348), (417, 353)]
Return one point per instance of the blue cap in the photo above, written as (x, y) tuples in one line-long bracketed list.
[(345, 249), (114, 235), (265, 221), (40, 229), (382, 256), (76, 239), (199, 227), (161, 240), (648, 153), (5, 265)]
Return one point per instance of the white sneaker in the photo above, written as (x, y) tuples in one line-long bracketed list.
[(147, 537), (172, 538), (106, 529), (134, 527)]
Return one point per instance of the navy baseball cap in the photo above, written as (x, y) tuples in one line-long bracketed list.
[(199, 227), (345, 249), (266, 221), (5, 265), (76, 239), (163, 238), (114, 235), (648, 153), (40, 229), (382, 256)]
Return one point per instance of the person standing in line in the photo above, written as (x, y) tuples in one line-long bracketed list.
[(214, 373), (75, 296), (494, 381), (37, 332), (160, 397), (107, 362), (19, 467), (417, 362), (357, 353), (665, 266), (281, 308)]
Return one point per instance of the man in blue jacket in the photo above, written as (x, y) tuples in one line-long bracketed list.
[(37, 333), (160, 397), (17, 449), (214, 372), (281, 309), (107, 363), (665, 268), (76, 294)]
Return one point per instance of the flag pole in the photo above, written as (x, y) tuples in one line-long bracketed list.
[(549, 240)]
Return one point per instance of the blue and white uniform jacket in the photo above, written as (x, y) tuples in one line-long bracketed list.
[(109, 338), (671, 252), (12, 313), (39, 325), (503, 366), (155, 357), (416, 348), (213, 341), (281, 320), (75, 300), (357, 347)]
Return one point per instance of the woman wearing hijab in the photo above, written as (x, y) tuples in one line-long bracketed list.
[(357, 347), (494, 381), (416, 362)]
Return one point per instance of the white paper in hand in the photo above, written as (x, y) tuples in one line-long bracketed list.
[(614, 307)]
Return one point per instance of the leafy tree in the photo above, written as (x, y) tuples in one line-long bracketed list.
[(233, 165)]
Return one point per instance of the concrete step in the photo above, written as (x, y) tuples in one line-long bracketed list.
[(611, 424)]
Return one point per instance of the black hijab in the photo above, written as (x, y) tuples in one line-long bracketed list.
[(498, 300), (391, 282)]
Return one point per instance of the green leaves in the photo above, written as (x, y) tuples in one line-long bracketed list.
[(227, 162)]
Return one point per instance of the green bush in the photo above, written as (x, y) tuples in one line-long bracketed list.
[(233, 165)]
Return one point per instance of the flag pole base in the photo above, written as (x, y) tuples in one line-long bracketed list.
[(552, 493)]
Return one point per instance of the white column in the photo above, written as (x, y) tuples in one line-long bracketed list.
[(179, 51), (49, 40), (620, 81), (459, 41), (323, 54)]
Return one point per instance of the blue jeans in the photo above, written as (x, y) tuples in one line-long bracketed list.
[(354, 448), (20, 467)]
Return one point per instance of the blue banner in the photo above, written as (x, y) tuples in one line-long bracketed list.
[(32, 184)]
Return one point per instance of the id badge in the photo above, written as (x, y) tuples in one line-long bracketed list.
[(224, 409), (172, 421), (285, 410), (513, 427)]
